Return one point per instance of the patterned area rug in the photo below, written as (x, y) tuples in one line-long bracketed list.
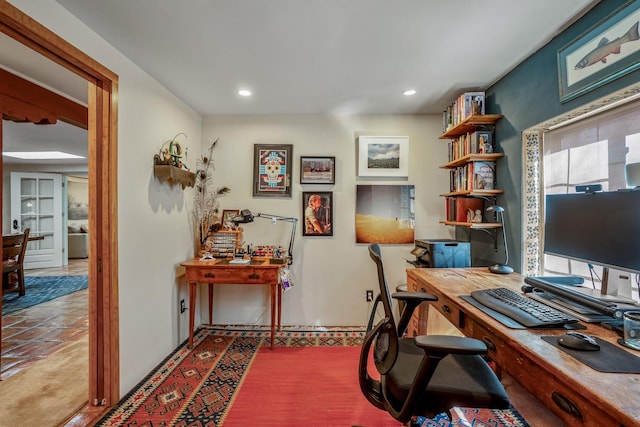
[(197, 387), (41, 289)]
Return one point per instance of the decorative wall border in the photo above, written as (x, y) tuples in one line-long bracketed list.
[(532, 220)]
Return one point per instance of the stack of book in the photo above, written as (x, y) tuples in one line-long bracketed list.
[(464, 209), (478, 142), (465, 105), (473, 176)]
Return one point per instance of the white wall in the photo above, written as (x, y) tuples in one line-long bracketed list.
[(154, 227), (154, 220), (331, 273)]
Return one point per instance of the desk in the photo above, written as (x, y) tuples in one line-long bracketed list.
[(602, 399), (219, 271)]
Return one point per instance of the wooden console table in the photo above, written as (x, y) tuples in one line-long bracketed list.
[(578, 394), (220, 271)]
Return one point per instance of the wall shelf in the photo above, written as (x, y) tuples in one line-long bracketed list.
[(174, 175), (470, 124)]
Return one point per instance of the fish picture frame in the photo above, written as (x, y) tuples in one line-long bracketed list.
[(604, 53)]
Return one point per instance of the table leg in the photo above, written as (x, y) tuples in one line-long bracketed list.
[(192, 311), (211, 303), (279, 305), (273, 313)]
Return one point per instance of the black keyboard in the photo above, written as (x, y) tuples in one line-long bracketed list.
[(525, 311)]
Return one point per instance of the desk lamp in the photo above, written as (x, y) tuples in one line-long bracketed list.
[(247, 216), (501, 268)]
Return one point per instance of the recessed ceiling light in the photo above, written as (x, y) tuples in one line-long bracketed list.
[(244, 92), (41, 155), (409, 92)]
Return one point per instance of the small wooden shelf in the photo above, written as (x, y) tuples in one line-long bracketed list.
[(474, 225), (174, 175), (472, 158), (474, 193), (471, 123)]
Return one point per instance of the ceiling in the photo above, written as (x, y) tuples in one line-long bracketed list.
[(314, 57)]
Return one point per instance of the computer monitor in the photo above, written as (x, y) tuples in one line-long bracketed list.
[(601, 228)]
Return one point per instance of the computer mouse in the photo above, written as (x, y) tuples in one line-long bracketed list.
[(578, 341)]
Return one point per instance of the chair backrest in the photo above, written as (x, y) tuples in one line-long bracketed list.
[(386, 343), (14, 246)]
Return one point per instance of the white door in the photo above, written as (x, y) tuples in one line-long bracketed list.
[(36, 203)]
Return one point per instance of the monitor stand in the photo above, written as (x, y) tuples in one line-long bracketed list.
[(616, 287)]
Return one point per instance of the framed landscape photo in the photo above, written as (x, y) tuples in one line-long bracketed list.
[(317, 211), (383, 156), (317, 170), (606, 52), (272, 168)]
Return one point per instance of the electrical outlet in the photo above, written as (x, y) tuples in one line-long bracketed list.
[(369, 295), (183, 308)]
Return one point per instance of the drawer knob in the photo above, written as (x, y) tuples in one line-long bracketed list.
[(254, 276), (446, 309), (565, 404), (209, 275)]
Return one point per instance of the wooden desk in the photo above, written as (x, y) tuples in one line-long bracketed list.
[(219, 271), (602, 399)]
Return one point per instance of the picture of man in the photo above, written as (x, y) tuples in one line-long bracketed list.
[(317, 214)]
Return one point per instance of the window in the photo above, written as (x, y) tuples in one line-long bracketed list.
[(592, 151)]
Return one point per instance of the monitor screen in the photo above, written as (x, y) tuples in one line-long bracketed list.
[(600, 228)]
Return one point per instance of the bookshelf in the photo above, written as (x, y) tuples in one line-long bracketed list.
[(471, 162)]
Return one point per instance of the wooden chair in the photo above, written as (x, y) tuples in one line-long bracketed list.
[(14, 247)]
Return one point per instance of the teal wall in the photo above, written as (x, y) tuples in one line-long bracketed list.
[(529, 95)]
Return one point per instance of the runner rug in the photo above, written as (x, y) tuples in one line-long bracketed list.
[(232, 378), (39, 289)]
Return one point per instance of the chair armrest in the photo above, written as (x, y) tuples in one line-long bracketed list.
[(412, 300), (449, 344), (414, 296)]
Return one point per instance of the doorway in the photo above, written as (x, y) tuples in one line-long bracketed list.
[(102, 87)]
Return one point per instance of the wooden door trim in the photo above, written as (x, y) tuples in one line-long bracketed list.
[(104, 379)]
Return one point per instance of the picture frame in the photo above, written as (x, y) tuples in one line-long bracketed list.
[(317, 170), (385, 214), (604, 53), (383, 156), (317, 213), (227, 218), (272, 169)]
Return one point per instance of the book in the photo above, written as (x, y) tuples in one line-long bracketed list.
[(483, 175), (469, 209)]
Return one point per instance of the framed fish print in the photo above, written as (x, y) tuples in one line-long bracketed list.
[(606, 52), (272, 168)]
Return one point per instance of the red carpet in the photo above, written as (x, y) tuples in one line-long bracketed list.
[(312, 386), (231, 378)]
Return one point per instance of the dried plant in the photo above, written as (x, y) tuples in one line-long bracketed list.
[(205, 204)]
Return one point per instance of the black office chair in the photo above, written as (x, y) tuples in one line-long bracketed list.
[(425, 375)]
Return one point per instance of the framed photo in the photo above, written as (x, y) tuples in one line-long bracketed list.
[(606, 52), (385, 214), (317, 170), (317, 211), (383, 156), (227, 218), (272, 168)]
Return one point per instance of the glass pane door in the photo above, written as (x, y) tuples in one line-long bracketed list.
[(36, 203)]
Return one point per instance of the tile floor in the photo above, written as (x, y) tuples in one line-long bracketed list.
[(33, 333)]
